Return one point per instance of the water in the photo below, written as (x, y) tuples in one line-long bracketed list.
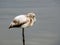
[(46, 30)]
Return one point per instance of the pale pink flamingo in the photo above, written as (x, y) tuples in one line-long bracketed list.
[(23, 21)]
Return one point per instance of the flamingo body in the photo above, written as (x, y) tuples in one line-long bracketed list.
[(23, 21)]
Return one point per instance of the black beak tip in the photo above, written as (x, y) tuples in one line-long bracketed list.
[(8, 27)]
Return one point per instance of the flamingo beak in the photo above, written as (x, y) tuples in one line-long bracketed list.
[(10, 26)]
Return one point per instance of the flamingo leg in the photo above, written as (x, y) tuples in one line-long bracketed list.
[(23, 36)]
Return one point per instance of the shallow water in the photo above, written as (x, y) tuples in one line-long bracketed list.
[(46, 30)]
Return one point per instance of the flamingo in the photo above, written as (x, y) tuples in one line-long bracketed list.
[(23, 21)]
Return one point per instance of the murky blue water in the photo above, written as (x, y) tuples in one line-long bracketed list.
[(46, 30)]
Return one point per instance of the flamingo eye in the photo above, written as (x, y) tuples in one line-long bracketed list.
[(15, 21)]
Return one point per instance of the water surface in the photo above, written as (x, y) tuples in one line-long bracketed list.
[(46, 30)]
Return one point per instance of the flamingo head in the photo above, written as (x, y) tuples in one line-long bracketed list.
[(13, 24)]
